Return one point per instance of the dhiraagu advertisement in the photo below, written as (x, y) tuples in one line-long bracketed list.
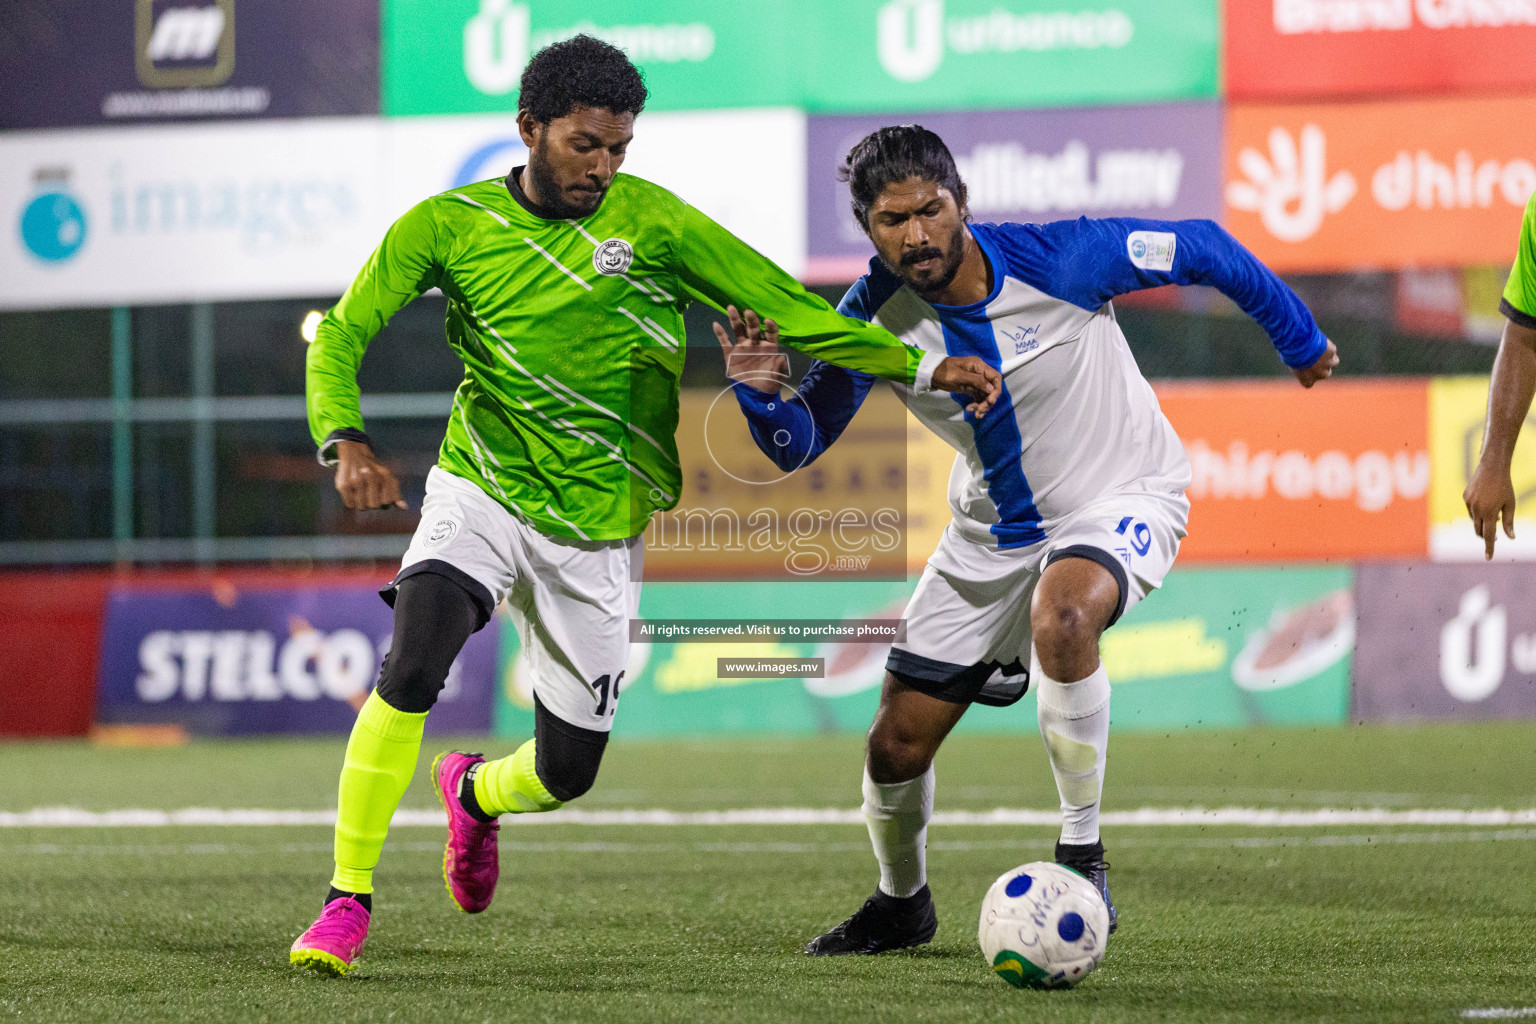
[(1214, 648)]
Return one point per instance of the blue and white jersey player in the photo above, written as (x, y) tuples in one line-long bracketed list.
[(1067, 497)]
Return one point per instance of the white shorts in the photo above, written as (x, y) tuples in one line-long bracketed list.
[(968, 632), (571, 600)]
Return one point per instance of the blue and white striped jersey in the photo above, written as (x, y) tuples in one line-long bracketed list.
[(1076, 419)]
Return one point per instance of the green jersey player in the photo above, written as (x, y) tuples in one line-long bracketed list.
[(1490, 494), (566, 284)]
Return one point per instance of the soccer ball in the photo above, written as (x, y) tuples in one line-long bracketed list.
[(1043, 926)]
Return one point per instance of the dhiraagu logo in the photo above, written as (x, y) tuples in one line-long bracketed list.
[(499, 39), (912, 36), (53, 223)]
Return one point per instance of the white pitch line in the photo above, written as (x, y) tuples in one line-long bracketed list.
[(1500, 1013), (603, 846), (1252, 817)]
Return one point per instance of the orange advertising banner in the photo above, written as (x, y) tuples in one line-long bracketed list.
[(1341, 471), (1382, 185), (1314, 49)]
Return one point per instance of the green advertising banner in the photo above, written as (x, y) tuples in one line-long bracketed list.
[(1214, 648), (466, 56), (908, 55)]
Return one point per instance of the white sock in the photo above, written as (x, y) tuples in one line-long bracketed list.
[(898, 828), (1074, 722)]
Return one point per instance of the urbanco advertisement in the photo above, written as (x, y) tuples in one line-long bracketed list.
[(1316, 49), (1445, 641), (466, 56), (72, 63), (1389, 185), (1160, 162), (1457, 413), (260, 210), (892, 55), (1279, 472), (761, 200), (229, 660), (1214, 648)]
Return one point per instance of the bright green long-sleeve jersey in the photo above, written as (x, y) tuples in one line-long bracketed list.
[(1519, 300), (571, 333)]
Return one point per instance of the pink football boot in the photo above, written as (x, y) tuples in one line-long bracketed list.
[(470, 868), (332, 944)]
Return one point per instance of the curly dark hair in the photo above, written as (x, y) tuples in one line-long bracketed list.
[(890, 155), (580, 72)]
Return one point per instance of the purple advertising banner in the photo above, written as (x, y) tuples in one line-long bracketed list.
[(1445, 641), (71, 63), (1031, 166), (226, 661)]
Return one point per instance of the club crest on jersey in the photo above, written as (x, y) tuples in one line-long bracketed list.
[(613, 256), (442, 532)]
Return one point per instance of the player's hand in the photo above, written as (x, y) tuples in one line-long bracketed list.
[(1490, 496), (1320, 370), (362, 480), (969, 375), (753, 357)]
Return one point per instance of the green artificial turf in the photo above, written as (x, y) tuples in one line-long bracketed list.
[(691, 923)]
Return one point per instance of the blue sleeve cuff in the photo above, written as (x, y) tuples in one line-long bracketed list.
[(1311, 353)]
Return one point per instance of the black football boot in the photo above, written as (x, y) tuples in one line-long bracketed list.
[(1088, 861), (882, 923)]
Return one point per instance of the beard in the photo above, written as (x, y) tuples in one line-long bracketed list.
[(949, 259), (551, 195)]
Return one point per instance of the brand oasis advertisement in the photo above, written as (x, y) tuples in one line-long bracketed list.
[(461, 56), (225, 660)]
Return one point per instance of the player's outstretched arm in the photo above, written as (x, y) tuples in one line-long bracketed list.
[(401, 268), (1088, 262), (1490, 494), (720, 269), (792, 432)]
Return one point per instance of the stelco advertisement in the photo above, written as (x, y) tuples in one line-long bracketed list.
[(226, 660)]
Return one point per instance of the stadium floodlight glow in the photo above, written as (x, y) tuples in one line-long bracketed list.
[(310, 326)]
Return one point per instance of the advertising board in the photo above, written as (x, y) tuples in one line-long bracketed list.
[(1457, 407), (227, 660), (465, 56), (1279, 472), (1033, 166), (268, 209), (1445, 641), (1315, 49), (1388, 185), (77, 62), (1214, 648)]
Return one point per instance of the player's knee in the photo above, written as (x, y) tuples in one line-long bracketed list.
[(433, 618), (566, 756), (1063, 628), (896, 755)]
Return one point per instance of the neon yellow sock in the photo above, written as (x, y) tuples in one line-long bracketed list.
[(381, 758), (512, 786)]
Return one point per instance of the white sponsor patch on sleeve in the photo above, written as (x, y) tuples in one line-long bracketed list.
[(1152, 250)]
